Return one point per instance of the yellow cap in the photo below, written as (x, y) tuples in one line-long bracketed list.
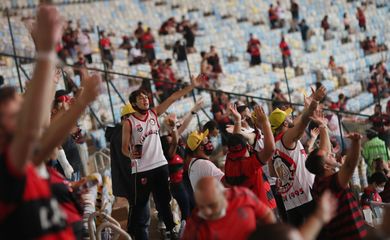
[(277, 117), (196, 138), (127, 109)]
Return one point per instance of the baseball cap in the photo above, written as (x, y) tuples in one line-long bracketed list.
[(195, 139), (127, 109), (277, 117)]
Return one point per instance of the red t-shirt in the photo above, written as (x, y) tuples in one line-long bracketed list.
[(248, 172), (254, 47), (105, 43), (284, 48), (28, 209), (147, 40), (240, 220)]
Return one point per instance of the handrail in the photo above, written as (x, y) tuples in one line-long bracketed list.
[(95, 159), (199, 88), (93, 232), (63, 3), (119, 231)]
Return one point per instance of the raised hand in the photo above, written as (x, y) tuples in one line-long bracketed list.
[(327, 207), (318, 118), (315, 132), (198, 105), (47, 31), (198, 81), (260, 116), (354, 136), (319, 94), (233, 110), (90, 88)]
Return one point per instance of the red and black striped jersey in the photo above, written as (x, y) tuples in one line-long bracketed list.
[(348, 224), (27, 208)]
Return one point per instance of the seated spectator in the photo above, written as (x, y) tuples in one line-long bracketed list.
[(253, 48), (325, 211), (278, 97), (81, 63), (347, 23), (126, 45), (168, 27), (136, 56), (376, 185), (213, 60), (348, 212), (216, 215), (336, 70)]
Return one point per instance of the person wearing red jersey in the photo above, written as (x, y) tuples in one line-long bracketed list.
[(361, 19), (376, 185), (243, 165), (26, 200), (253, 49), (225, 213), (286, 53), (348, 222)]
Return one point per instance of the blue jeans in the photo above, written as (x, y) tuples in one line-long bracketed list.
[(179, 193)]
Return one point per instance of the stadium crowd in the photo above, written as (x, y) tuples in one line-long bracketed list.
[(286, 175)]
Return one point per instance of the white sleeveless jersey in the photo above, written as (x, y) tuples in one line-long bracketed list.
[(294, 180), (146, 133)]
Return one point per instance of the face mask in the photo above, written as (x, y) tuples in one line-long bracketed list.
[(208, 148), (221, 215), (379, 189)]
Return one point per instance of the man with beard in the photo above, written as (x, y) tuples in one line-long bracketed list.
[(225, 213), (141, 143), (288, 164), (200, 148)]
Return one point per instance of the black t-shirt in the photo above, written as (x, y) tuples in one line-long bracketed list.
[(180, 51)]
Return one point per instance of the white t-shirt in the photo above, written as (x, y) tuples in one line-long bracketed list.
[(146, 132), (84, 45), (294, 180), (203, 168)]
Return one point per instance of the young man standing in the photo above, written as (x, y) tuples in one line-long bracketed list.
[(141, 142), (349, 222), (288, 164)]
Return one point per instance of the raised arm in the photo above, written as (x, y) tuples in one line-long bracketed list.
[(351, 161), (60, 128), (188, 117), (325, 211), (37, 100), (321, 121), (175, 139), (160, 109), (237, 118), (313, 137), (294, 134), (262, 122)]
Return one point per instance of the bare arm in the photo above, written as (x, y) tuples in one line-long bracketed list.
[(325, 211), (173, 145), (236, 117), (294, 134), (269, 142), (313, 137), (33, 113), (352, 159), (126, 135), (61, 127), (188, 117), (160, 109)]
